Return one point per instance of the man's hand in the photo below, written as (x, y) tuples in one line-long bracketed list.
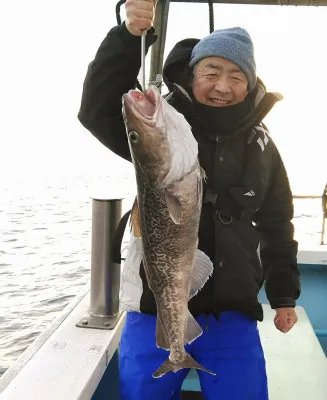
[(139, 15), (285, 319)]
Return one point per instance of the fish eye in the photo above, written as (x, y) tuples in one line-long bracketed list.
[(134, 136)]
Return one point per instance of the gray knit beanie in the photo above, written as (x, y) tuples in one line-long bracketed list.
[(235, 45)]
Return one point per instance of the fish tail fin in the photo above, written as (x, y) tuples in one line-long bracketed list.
[(169, 366)]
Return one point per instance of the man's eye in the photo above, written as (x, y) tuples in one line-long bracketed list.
[(238, 79)]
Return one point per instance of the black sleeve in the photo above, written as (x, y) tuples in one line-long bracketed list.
[(278, 249), (111, 74)]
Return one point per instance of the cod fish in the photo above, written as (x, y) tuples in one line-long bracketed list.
[(169, 197)]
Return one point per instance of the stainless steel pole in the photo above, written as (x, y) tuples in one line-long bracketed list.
[(105, 274)]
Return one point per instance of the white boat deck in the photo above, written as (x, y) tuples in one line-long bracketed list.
[(71, 362), (296, 364)]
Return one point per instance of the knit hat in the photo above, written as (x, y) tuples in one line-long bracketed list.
[(235, 45)]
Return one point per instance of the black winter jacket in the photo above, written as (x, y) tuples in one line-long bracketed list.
[(247, 195)]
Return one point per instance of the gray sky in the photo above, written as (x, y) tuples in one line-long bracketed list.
[(46, 47)]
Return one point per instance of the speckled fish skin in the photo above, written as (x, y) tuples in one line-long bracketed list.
[(169, 185)]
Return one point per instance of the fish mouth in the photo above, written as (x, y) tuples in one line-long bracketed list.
[(143, 103)]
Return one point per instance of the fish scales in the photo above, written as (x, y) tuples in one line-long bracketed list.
[(169, 186), (168, 261)]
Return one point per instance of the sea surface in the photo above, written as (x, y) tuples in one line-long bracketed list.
[(45, 249)]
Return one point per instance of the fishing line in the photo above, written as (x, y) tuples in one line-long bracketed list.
[(143, 59), (143, 55)]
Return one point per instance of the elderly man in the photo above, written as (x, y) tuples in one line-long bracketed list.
[(247, 201)]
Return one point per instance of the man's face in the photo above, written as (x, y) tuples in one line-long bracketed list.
[(218, 82)]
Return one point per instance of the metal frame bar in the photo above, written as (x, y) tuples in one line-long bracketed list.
[(161, 22), (315, 3), (158, 49)]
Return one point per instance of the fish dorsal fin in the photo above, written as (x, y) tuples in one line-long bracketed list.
[(135, 220), (203, 269), (174, 207)]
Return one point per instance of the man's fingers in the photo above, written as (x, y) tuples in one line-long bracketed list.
[(285, 324), (139, 15), (143, 14), (140, 4), (140, 24), (141, 19), (133, 6)]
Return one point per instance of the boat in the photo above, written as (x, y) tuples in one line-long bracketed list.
[(76, 357)]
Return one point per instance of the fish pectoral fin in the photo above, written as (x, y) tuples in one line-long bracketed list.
[(193, 329), (203, 268), (161, 338), (169, 366), (174, 207)]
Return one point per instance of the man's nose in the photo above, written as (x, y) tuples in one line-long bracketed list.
[(222, 85)]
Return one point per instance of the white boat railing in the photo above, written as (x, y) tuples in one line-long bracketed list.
[(65, 362)]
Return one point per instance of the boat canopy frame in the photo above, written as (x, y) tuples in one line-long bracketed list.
[(315, 3), (161, 22)]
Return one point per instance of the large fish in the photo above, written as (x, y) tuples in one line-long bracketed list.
[(169, 198)]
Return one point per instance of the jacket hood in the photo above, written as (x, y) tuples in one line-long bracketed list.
[(176, 75), (176, 69)]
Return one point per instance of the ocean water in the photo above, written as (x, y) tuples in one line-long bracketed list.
[(45, 253)]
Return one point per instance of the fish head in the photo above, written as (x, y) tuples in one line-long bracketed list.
[(161, 142), (146, 132)]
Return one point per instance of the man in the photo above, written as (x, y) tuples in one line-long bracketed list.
[(247, 200)]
